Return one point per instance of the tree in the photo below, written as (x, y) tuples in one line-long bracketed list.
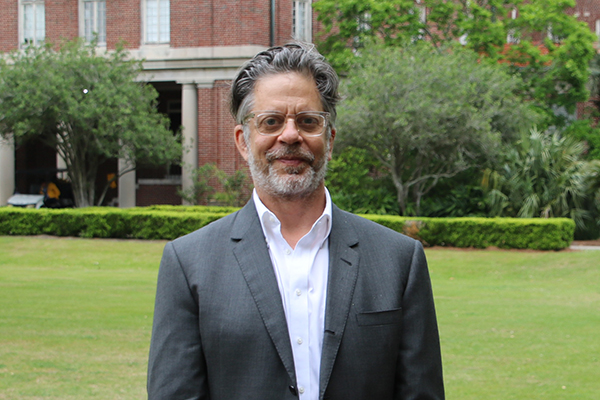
[(428, 115), (548, 48), (86, 105), (359, 184), (544, 175), (236, 187)]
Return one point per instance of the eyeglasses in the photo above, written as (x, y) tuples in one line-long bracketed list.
[(272, 123)]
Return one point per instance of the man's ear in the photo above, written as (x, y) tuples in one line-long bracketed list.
[(240, 142), (331, 139)]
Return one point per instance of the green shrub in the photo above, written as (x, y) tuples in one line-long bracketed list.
[(170, 222), (514, 233)]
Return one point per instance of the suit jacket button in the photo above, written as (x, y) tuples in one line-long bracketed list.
[(293, 390)]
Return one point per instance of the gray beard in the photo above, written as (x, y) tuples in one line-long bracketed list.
[(291, 184)]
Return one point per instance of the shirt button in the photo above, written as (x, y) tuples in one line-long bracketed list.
[(301, 389), (299, 340), (298, 292), (288, 251)]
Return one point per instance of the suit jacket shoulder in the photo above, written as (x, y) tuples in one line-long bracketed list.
[(357, 228)]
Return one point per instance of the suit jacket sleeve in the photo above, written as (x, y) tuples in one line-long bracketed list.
[(419, 371), (176, 368)]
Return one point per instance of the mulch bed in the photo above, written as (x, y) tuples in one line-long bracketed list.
[(575, 243), (586, 242)]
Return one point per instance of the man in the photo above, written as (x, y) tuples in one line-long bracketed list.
[(291, 297)]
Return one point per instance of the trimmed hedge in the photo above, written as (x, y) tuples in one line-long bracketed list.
[(508, 233), (170, 222), (103, 222)]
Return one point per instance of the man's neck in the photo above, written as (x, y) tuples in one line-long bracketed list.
[(296, 215)]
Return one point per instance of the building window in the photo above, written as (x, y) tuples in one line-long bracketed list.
[(422, 11), (157, 17), (598, 29), (33, 22), (302, 20), (553, 35), (512, 33), (94, 20)]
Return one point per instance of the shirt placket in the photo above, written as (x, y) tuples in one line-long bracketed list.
[(299, 324)]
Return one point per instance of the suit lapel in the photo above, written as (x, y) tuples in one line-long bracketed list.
[(343, 271), (254, 261)]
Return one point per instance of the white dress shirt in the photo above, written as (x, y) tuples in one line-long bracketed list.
[(302, 278)]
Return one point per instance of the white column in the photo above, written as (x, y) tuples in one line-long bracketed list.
[(126, 185), (189, 122), (60, 164), (7, 169)]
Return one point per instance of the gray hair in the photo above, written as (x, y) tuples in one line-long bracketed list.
[(294, 57)]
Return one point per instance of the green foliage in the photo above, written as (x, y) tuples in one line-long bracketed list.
[(428, 115), (535, 233), (202, 188), (554, 72), (359, 184), (594, 82), (459, 199), (104, 222), (593, 181), (516, 233), (236, 187), (592, 202), (88, 106), (144, 223), (348, 24), (585, 131), (543, 176)]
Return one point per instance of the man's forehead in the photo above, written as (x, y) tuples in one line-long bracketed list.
[(292, 76)]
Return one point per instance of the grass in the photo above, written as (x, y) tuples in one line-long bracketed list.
[(75, 318), (518, 325)]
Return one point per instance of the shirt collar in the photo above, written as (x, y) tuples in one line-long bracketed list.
[(271, 225)]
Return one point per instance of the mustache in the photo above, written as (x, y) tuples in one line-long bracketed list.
[(290, 152)]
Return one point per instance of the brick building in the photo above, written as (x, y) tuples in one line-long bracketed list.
[(588, 11), (191, 48)]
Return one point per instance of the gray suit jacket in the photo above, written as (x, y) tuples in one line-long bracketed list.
[(220, 331)]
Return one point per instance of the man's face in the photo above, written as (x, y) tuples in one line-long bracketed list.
[(288, 165)]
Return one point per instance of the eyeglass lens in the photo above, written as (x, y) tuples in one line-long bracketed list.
[(307, 123)]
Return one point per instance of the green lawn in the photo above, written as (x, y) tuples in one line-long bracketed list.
[(519, 325), (75, 318)]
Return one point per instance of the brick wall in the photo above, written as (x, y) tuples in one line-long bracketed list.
[(123, 23), (587, 11), (191, 23), (229, 158), (228, 22), (62, 20), (9, 25), (283, 27), (215, 129), (147, 195)]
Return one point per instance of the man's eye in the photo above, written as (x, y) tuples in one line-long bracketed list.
[(271, 121), (308, 121)]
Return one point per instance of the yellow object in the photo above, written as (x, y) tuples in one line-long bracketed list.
[(52, 191)]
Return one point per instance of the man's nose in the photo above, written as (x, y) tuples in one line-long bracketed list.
[(290, 133)]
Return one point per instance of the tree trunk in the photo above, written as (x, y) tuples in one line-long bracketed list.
[(400, 194), (83, 191), (83, 183)]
